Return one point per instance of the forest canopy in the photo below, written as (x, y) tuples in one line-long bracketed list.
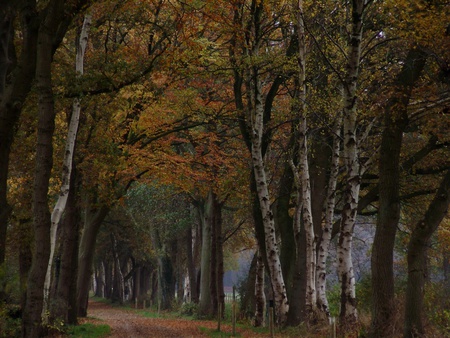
[(149, 146)]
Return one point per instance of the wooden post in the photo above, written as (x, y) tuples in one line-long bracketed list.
[(333, 327), (135, 303), (219, 319), (233, 311), (143, 305)]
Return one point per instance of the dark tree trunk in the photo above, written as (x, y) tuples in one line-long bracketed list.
[(284, 222), (247, 303), (44, 163), (166, 282), (217, 291), (191, 266), (13, 94), (25, 257), (417, 246), (389, 201), (206, 215), (297, 302), (61, 305), (137, 283), (86, 256)]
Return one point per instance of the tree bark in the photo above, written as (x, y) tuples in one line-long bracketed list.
[(324, 243), (302, 172), (207, 219), (260, 296), (272, 252), (348, 313), (13, 94), (44, 162), (395, 123), (417, 246), (68, 157), (93, 221), (60, 307), (193, 297)]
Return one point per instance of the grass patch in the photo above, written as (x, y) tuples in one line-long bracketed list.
[(216, 334), (89, 331)]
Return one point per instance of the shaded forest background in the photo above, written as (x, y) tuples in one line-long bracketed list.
[(145, 145)]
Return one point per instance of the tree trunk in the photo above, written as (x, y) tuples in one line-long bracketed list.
[(13, 94), (273, 258), (119, 285), (247, 293), (324, 243), (44, 163), (217, 267), (260, 296), (395, 123), (61, 305), (348, 314), (58, 210), (94, 219), (417, 246), (193, 296), (206, 219)]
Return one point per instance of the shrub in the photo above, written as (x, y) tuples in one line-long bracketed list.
[(10, 323), (188, 309)]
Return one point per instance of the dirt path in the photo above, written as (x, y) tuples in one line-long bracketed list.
[(126, 323)]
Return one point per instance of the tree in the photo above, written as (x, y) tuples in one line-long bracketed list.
[(20, 70), (52, 29), (68, 158), (418, 243), (395, 123)]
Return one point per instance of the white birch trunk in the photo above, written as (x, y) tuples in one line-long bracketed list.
[(68, 158), (301, 173), (348, 313), (272, 252), (330, 201)]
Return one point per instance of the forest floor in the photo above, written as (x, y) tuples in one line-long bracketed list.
[(130, 323)]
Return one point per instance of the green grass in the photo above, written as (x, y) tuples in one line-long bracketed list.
[(89, 331), (216, 334)]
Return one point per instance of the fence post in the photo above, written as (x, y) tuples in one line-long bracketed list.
[(233, 311), (333, 327), (219, 319)]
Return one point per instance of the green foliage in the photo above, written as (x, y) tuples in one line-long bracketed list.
[(215, 334), (89, 331), (437, 306), (364, 293), (363, 296), (189, 309), (10, 323), (9, 283), (334, 296)]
